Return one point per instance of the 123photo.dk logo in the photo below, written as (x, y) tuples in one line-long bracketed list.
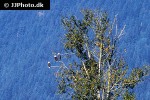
[(25, 5), (39, 4)]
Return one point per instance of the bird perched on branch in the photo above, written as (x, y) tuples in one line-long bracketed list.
[(49, 64), (57, 57)]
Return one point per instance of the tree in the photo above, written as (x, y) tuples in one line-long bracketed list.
[(101, 72)]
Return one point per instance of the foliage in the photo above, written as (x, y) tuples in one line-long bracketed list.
[(101, 72), (128, 96)]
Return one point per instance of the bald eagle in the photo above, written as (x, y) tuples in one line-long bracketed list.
[(57, 57), (49, 65)]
